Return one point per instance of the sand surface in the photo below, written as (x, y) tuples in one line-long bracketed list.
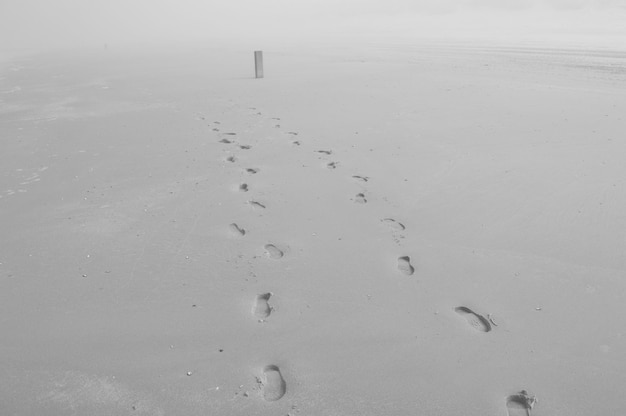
[(377, 230)]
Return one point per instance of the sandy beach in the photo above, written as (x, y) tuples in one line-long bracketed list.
[(388, 229)]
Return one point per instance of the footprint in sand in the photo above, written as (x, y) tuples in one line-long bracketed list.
[(225, 141), (230, 134), (256, 204), (404, 265), (361, 178), (243, 187), (252, 171), (393, 224), (296, 143), (262, 308), (245, 147), (237, 230), (293, 133), (231, 159), (360, 199), (476, 321), (273, 384), (326, 152), (520, 404), (273, 252), (332, 165)]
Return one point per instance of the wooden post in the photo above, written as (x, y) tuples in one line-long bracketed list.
[(258, 64)]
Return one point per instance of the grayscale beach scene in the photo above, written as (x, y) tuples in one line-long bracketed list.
[(313, 208)]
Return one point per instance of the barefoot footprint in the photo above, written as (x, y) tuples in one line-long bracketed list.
[(262, 308), (243, 187), (273, 384), (237, 230), (476, 321), (256, 204), (393, 224), (404, 265), (273, 252), (360, 198), (520, 404)]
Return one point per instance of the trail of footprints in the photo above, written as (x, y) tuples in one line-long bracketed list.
[(272, 384)]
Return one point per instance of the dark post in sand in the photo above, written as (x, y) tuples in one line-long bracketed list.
[(258, 64)]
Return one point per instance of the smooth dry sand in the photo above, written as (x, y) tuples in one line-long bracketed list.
[(372, 230)]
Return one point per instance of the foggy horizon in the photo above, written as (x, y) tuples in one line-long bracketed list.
[(33, 24)]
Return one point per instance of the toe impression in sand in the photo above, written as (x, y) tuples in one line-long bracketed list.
[(476, 321), (273, 384)]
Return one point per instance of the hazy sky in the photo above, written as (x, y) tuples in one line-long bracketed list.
[(44, 23)]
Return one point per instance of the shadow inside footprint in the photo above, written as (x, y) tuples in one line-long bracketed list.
[(360, 199), (252, 171), (273, 252), (262, 308), (476, 321), (274, 386), (237, 230), (243, 187), (404, 265), (520, 404), (231, 159)]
